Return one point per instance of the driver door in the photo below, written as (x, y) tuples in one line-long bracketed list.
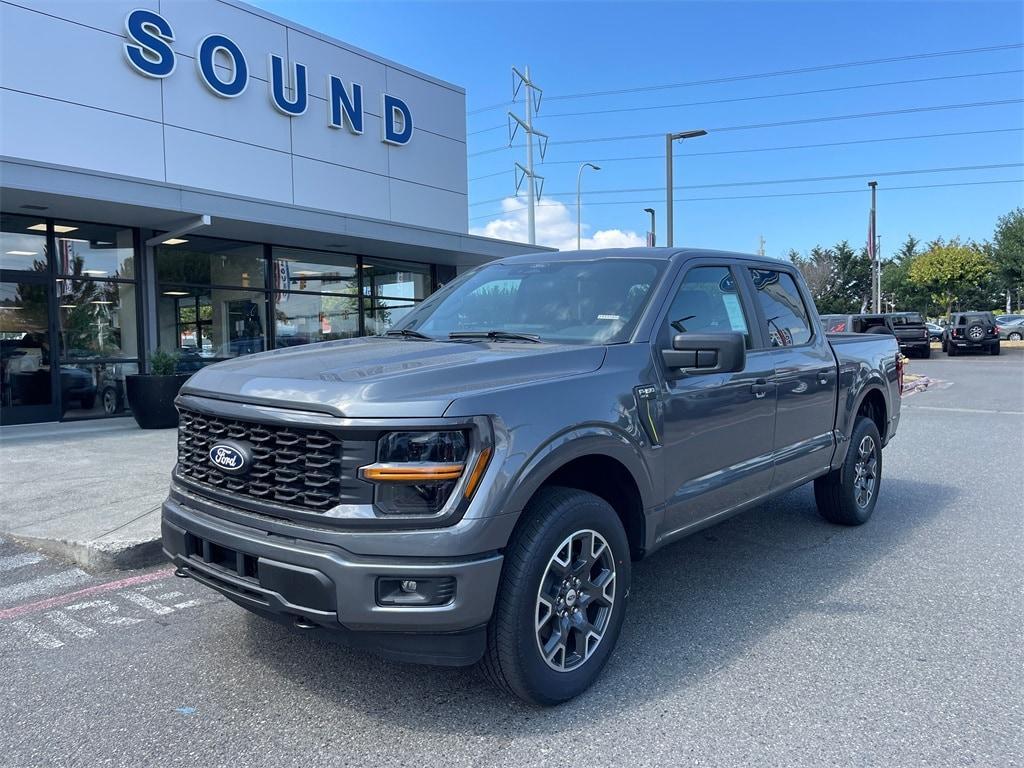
[(719, 427)]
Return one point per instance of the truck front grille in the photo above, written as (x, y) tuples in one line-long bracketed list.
[(291, 466)]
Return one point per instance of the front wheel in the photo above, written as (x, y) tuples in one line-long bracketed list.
[(1014, 337), (561, 599), (847, 495)]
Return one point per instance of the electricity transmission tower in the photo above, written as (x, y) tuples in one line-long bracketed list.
[(532, 96)]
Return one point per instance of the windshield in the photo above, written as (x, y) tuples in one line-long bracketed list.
[(573, 302), (911, 318)]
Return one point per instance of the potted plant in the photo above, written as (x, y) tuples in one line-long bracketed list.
[(151, 395)]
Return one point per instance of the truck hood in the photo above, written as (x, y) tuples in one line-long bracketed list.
[(376, 377)]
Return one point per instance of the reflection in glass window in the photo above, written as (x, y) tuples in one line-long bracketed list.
[(24, 345), (207, 261), (94, 389), (786, 319), (382, 314), (302, 318), (296, 270), (205, 324), (707, 302), (22, 243), (94, 250), (396, 280), (97, 319)]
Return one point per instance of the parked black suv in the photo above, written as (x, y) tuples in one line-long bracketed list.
[(971, 330)]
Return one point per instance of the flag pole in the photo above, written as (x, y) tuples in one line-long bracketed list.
[(873, 255)]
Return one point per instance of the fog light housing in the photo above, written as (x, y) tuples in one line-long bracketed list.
[(415, 590)]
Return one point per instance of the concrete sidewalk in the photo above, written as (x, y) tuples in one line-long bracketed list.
[(87, 491)]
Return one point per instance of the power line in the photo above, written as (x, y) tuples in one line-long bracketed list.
[(760, 75), (780, 124), (765, 96), (770, 149), (718, 185), (857, 191)]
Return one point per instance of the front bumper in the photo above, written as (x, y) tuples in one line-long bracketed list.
[(314, 585)]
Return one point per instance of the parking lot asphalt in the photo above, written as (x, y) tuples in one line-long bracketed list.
[(771, 639)]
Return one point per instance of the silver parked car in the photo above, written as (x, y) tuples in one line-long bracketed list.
[(1012, 330)]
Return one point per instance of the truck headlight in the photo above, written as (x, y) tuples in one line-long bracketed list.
[(416, 472)]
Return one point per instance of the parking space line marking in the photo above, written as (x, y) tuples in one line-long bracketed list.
[(962, 410), (21, 590), (65, 622), (59, 600), (144, 602), (17, 561), (37, 635)]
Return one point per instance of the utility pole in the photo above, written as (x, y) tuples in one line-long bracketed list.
[(669, 138), (760, 248), (532, 95), (876, 301)]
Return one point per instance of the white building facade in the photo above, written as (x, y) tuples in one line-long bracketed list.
[(203, 178)]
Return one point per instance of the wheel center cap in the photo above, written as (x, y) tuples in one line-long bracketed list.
[(570, 597)]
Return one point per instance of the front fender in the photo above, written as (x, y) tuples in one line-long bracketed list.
[(574, 443)]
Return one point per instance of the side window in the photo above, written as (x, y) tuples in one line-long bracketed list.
[(707, 302), (787, 322)]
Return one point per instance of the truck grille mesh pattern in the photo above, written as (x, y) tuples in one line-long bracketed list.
[(291, 466)]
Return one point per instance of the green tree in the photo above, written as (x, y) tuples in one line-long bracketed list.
[(951, 272), (896, 285), (1008, 255)]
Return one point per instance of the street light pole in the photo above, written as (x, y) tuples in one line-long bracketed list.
[(652, 240), (669, 138), (579, 215)]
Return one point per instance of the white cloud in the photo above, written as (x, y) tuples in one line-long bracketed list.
[(556, 227)]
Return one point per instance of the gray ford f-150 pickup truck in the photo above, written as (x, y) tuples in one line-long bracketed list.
[(473, 486)]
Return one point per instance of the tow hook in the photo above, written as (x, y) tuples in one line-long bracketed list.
[(182, 573), (303, 623)]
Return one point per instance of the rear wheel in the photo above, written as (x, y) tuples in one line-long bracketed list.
[(847, 495), (926, 352), (951, 350), (994, 349), (561, 599)]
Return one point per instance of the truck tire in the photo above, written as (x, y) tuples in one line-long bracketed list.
[(951, 350), (994, 349), (926, 353), (559, 611), (847, 495)]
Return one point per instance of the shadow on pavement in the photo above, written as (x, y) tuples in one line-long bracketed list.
[(694, 606)]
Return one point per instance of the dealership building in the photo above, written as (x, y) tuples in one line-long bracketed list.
[(204, 178)]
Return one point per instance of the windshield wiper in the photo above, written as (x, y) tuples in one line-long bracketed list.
[(496, 335), (409, 333)]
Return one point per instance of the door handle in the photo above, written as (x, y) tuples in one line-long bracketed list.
[(823, 375), (759, 388)]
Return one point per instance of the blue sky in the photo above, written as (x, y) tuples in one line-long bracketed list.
[(577, 48)]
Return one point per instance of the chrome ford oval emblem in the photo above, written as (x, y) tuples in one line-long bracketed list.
[(232, 458)]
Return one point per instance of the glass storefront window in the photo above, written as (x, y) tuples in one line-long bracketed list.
[(24, 346), (206, 324), (396, 280), (97, 319), (315, 271), (22, 243), (94, 389), (206, 261), (381, 314), (303, 318), (94, 250)]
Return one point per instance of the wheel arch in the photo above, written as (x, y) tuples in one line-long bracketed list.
[(600, 461)]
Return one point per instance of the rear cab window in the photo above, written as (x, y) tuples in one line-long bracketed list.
[(787, 321)]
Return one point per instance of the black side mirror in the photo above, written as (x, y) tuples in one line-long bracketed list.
[(706, 352)]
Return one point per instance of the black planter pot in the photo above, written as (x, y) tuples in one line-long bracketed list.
[(152, 399)]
